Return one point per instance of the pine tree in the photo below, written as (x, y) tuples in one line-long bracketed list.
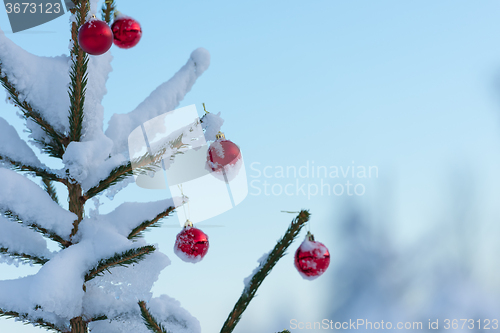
[(74, 290)]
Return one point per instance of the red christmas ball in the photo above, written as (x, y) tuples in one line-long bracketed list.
[(191, 244), (95, 37), (311, 258), (222, 153), (126, 31)]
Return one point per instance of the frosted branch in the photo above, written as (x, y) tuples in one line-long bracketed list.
[(25, 77), (23, 243), (25, 318), (265, 267), (137, 232), (151, 323), (165, 98), (120, 259), (37, 208)]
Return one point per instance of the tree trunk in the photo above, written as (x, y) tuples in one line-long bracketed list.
[(78, 325), (76, 206)]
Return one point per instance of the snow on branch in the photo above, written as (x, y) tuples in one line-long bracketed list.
[(116, 175), (131, 218), (14, 148), (46, 137), (17, 301), (16, 154), (163, 99), (25, 77), (266, 264), (39, 322), (164, 313), (23, 243), (137, 232), (129, 257), (151, 323), (36, 207)]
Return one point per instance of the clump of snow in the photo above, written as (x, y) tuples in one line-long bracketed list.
[(262, 260), (129, 215), (37, 206), (228, 172), (212, 124), (15, 149), (187, 258), (165, 309), (163, 99), (17, 238), (114, 189), (201, 59), (217, 148), (89, 162), (41, 81), (93, 7), (98, 70), (119, 290), (310, 246)]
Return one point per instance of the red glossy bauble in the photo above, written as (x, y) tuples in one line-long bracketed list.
[(191, 244), (311, 258), (222, 153), (126, 31), (95, 37)]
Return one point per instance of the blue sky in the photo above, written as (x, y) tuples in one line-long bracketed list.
[(412, 88)]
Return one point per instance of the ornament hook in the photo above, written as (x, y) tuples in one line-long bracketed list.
[(205, 108)]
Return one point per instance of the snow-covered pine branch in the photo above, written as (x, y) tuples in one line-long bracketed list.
[(151, 323), (17, 155), (266, 264), (33, 205), (131, 218), (165, 311), (154, 222), (45, 106), (20, 242), (123, 259), (163, 99), (36, 322)]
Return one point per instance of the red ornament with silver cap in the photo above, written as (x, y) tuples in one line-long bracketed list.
[(222, 153), (191, 244), (311, 258)]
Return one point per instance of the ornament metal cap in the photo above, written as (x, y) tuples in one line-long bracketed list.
[(220, 135), (310, 237), (116, 13), (188, 224)]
